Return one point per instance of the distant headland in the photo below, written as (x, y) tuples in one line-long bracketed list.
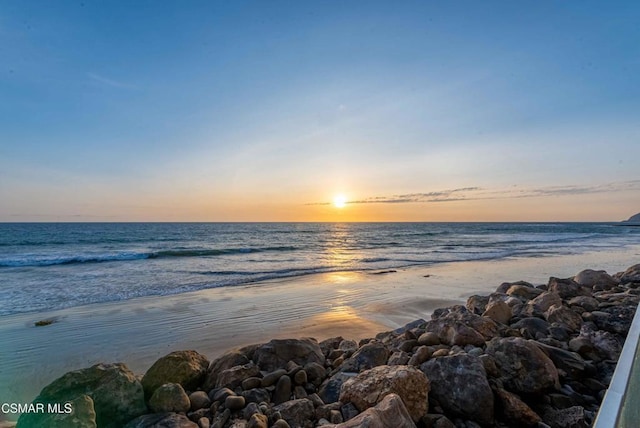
[(633, 220)]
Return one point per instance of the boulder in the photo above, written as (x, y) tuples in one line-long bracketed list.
[(590, 278), (532, 328), (585, 302), (388, 413), (567, 288), (569, 362), (116, 393), (564, 316), (541, 304), (82, 416), (630, 276), (169, 397), (459, 383), (499, 311), (297, 413), (523, 292), (224, 362), (443, 319), (188, 368), (199, 400), (368, 356), (515, 411), (371, 386), (524, 368), (477, 304), (233, 377), (278, 352), (330, 390), (161, 420), (572, 417)]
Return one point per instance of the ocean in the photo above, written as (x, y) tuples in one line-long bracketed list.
[(49, 266)]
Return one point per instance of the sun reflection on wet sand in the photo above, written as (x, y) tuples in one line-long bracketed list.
[(342, 318)]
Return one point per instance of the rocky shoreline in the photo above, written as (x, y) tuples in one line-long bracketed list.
[(525, 355)]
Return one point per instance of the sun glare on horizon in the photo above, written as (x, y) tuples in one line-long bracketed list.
[(340, 201)]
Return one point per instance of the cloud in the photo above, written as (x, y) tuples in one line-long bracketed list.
[(109, 82), (479, 193)]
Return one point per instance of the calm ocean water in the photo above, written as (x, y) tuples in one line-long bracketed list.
[(45, 266)]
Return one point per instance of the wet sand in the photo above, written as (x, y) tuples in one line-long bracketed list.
[(353, 305)]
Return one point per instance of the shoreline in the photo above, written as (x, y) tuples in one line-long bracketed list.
[(354, 305)]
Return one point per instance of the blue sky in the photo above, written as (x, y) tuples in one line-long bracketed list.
[(223, 111)]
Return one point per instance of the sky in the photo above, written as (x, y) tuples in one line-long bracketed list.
[(269, 110)]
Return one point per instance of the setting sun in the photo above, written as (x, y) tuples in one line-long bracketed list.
[(340, 201)]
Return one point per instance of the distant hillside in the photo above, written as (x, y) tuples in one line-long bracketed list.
[(634, 219)]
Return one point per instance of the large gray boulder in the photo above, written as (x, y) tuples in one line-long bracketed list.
[(278, 352), (524, 368), (371, 386), (188, 368), (460, 385), (116, 393)]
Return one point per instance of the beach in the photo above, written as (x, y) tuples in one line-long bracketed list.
[(353, 305)]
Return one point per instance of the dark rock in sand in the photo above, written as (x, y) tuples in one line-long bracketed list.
[(161, 420), (523, 367), (371, 386), (188, 368), (116, 393), (278, 352), (460, 385)]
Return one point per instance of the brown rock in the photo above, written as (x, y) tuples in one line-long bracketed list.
[(389, 413), (515, 410), (564, 316), (499, 312), (371, 386)]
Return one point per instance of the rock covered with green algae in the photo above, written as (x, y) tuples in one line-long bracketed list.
[(115, 393)]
